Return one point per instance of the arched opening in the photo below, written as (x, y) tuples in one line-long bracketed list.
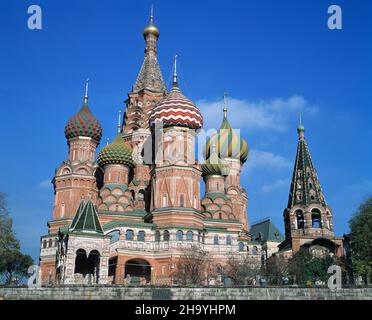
[(316, 218), (114, 236), (241, 246), (141, 195), (254, 250), (164, 201), (189, 235), (300, 219), (216, 240), (179, 235), (137, 271), (141, 235), (112, 269), (166, 235), (44, 244), (129, 235), (228, 240), (157, 235), (182, 200), (87, 268)]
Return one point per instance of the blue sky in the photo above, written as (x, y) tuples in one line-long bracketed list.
[(275, 58)]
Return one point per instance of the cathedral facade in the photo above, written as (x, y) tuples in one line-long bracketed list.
[(134, 209)]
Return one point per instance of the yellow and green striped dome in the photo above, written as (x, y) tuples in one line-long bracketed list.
[(228, 143), (214, 166), (118, 152)]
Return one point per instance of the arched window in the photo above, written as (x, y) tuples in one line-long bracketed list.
[(141, 195), (44, 244), (254, 250), (166, 235), (241, 246), (182, 200), (50, 243), (220, 216), (189, 235), (179, 235), (216, 240), (199, 236), (62, 209), (129, 235), (141, 235), (203, 238), (228, 240), (300, 219), (164, 201), (114, 236), (316, 218), (157, 235), (133, 195)]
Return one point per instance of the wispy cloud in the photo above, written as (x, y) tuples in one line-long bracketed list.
[(46, 184), (267, 160), (270, 114), (281, 183)]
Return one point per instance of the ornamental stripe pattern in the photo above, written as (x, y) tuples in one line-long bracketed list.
[(176, 110)]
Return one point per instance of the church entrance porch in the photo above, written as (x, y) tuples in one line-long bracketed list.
[(87, 267), (137, 272)]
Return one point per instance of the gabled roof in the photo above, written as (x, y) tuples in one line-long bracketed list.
[(86, 219), (268, 231)]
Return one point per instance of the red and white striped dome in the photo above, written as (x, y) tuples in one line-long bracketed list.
[(176, 110)]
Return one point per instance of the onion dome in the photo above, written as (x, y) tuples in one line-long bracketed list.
[(176, 110), (228, 143), (214, 165), (117, 152), (151, 28), (84, 123)]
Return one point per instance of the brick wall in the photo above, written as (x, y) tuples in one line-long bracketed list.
[(147, 293)]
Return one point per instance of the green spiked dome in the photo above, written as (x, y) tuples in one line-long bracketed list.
[(85, 124), (214, 166), (118, 152), (228, 143)]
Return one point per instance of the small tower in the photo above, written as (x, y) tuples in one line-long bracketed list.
[(176, 175), (233, 150), (116, 161), (75, 178), (307, 216)]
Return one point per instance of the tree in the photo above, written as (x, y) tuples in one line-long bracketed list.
[(308, 269), (192, 266), (361, 240), (242, 269), (12, 261)]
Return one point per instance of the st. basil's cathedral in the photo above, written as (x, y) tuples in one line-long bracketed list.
[(132, 211)]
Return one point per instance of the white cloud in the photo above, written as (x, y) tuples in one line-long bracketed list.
[(270, 114), (267, 160), (46, 184), (281, 183)]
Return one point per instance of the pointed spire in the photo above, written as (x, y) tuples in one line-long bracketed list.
[(86, 91), (119, 125), (175, 80), (225, 105)]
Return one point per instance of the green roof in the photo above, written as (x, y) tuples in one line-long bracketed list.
[(86, 219), (214, 196), (268, 231)]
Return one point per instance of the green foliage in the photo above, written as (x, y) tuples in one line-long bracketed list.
[(361, 238), (12, 261), (308, 269)]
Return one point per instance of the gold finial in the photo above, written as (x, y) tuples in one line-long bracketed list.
[(301, 128), (151, 28), (225, 105), (86, 91), (119, 125), (175, 70)]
